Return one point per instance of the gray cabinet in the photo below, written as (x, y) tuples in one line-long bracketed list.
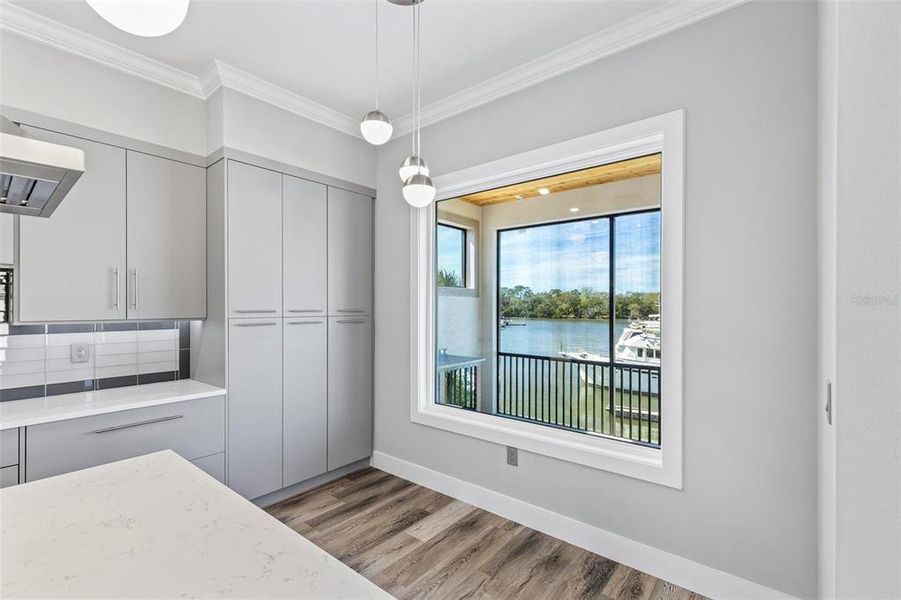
[(349, 390), (193, 429), (254, 241), (166, 238), (213, 465), (349, 253), (9, 476), (305, 396), (304, 247), (9, 447), (255, 406), (71, 267)]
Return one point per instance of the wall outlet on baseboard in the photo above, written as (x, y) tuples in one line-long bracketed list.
[(512, 456)]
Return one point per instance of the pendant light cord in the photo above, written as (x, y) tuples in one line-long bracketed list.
[(413, 136), (416, 8), (377, 54)]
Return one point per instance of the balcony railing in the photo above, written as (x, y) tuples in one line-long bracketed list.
[(619, 399)]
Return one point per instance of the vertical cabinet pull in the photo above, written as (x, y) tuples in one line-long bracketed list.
[(116, 290), (134, 289)]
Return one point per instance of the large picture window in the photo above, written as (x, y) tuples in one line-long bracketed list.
[(570, 345)]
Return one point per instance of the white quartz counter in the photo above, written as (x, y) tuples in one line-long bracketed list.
[(156, 527), (33, 411)]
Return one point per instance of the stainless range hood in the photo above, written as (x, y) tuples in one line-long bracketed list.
[(34, 175)]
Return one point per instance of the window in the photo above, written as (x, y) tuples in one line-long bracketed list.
[(451, 253), (574, 350), (561, 317)]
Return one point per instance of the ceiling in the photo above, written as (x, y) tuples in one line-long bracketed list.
[(323, 50)]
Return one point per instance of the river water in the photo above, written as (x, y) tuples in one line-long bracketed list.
[(548, 337)]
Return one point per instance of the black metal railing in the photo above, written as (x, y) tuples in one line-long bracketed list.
[(459, 387), (621, 400)]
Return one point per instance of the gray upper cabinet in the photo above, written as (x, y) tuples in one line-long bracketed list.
[(71, 266), (166, 238), (254, 241), (349, 390), (305, 399), (255, 406), (349, 253), (304, 247)]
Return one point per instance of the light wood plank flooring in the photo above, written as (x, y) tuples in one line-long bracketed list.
[(416, 543)]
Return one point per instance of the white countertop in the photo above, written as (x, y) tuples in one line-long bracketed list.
[(157, 527), (33, 411)]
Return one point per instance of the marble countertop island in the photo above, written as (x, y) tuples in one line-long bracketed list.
[(156, 527)]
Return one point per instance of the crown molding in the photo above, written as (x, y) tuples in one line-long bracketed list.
[(38, 28), (635, 31), (642, 28), (222, 75)]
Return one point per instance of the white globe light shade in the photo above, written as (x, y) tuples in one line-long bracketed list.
[(146, 18), (412, 165), (376, 127), (419, 191)]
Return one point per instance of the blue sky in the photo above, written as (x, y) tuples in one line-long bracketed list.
[(574, 255)]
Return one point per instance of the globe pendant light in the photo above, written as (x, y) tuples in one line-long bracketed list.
[(376, 126), (145, 18), (419, 190)]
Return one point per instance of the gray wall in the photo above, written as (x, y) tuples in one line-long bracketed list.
[(747, 79), (868, 300)]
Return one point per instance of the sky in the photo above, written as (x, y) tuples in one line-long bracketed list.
[(574, 255)]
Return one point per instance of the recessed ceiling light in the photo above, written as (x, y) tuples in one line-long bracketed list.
[(544, 191), (574, 209)]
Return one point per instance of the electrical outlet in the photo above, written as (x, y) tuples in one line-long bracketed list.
[(78, 353), (512, 456)]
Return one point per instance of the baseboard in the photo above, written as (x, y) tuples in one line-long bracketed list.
[(298, 488), (681, 571)]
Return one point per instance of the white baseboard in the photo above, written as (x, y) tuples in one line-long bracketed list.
[(681, 571)]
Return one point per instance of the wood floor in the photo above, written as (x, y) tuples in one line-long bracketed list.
[(416, 543)]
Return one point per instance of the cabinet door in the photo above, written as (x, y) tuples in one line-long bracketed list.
[(349, 253), (72, 265), (166, 238), (255, 406), (305, 399), (349, 390), (254, 241), (304, 228)]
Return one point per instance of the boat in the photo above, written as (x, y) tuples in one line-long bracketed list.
[(509, 323), (639, 344)]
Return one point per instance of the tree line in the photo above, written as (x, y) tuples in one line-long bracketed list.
[(520, 302)]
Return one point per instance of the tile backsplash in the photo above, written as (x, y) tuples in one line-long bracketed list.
[(36, 360)]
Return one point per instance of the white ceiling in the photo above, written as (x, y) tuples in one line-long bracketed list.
[(323, 50)]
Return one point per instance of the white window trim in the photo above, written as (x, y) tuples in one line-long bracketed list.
[(663, 133)]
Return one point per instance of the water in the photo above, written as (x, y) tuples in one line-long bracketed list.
[(547, 337)]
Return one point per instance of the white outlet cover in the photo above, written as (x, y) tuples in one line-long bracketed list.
[(79, 353)]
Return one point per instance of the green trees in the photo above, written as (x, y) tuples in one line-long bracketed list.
[(448, 278), (523, 303)]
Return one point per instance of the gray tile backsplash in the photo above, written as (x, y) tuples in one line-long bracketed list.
[(35, 360)]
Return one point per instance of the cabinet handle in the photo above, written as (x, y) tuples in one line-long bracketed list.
[(351, 320), (138, 424), (134, 289), (306, 310), (268, 324), (249, 312), (350, 310), (304, 322), (116, 295)]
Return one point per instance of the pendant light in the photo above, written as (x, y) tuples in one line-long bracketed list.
[(376, 126), (145, 18), (419, 191)]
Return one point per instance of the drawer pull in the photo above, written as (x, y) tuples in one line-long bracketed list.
[(248, 312), (266, 324), (306, 310), (351, 320), (304, 322), (351, 310), (138, 424)]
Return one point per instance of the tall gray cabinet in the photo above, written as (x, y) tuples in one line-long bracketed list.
[(290, 330)]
